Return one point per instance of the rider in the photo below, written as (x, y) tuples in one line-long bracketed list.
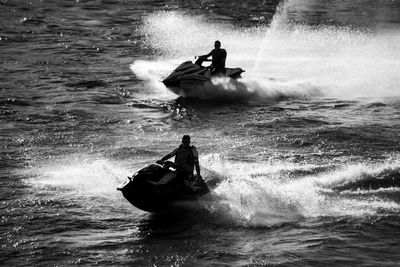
[(218, 59), (186, 158)]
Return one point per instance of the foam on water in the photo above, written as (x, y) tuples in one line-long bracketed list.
[(79, 175), (263, 194), (252, 194), (152, 72), (281, 57)]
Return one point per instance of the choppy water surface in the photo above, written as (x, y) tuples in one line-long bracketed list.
[(308, 140)]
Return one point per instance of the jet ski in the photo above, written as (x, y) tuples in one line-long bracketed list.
[(154, 189), (189, 79)]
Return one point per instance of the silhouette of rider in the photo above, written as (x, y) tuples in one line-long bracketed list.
[(186, 158), (218, 59)]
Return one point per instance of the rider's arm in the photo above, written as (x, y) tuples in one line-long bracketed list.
[(170, 155), (208, 55), (197, 165), (224, 57), (196, 160)]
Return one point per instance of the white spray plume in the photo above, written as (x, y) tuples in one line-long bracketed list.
[(337, 62)]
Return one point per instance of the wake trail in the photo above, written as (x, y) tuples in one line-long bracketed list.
[(266, 194)]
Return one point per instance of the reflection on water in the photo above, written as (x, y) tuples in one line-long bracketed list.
[(310, 161)]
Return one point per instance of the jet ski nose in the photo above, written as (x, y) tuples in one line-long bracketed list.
[(122, 186)]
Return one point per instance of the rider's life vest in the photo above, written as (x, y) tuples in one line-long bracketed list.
[(184, 159)]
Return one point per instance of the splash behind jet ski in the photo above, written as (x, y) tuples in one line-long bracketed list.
[(154, 189), (189, 79)]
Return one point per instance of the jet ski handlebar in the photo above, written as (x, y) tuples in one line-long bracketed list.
[(166, 164), (201, 59), (204, 57)]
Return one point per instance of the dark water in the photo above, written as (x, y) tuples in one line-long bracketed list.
[(308, 141)]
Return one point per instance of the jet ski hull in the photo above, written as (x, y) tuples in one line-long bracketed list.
[(144, 192), (192, 80)]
